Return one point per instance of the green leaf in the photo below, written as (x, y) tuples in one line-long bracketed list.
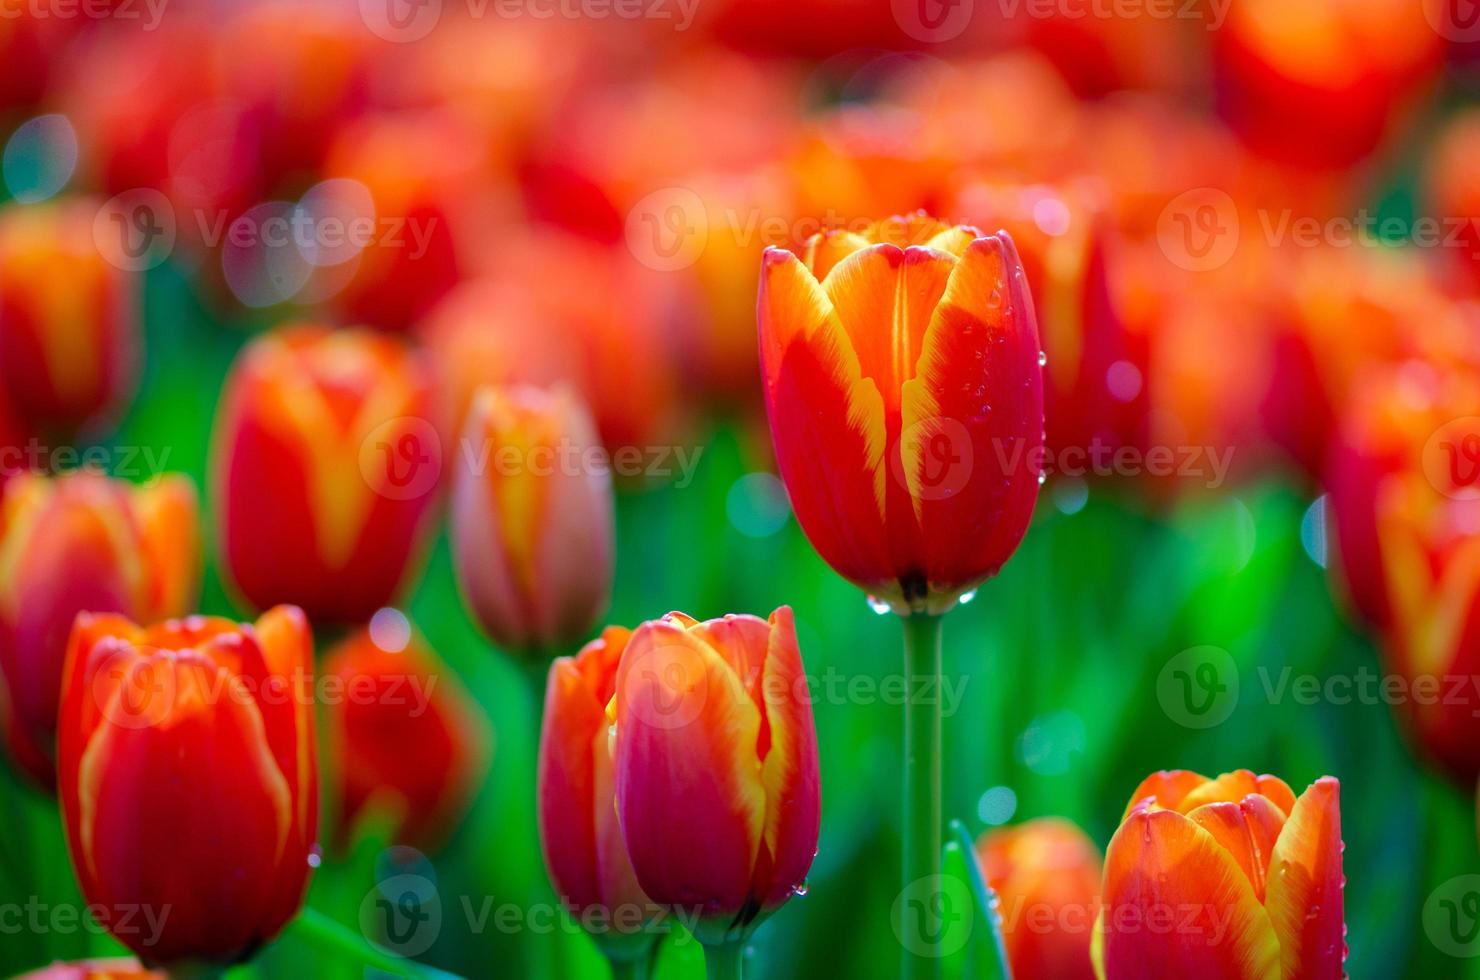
[(982, 955)]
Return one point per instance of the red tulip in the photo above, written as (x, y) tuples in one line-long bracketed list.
[(187, 777), (81, 542), (715, 762), (325, 464), (69, 332), (532, 519), (905, 395), (1046, 874), (406, 737), (579, 833), (1225, 878)]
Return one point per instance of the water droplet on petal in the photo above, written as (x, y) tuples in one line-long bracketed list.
[(800, 891), (879, 606), (967, 596), (1043, 358)]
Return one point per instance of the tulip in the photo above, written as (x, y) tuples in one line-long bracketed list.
[(1325, 89), (69, 331), (715, 760), (75, 543), (406, 737), (904, 387), (532, 518), (906, 402), (325, 465), (1046, 874), (579, 834), (1248, 876), (172, 740), (420, 175), (1453, 190)]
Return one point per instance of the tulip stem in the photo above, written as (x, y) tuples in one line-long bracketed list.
[(318, 930), (722, 961), (922, 804)]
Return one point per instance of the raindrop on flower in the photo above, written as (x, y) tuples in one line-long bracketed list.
[(967, 596), (879, 606), (800, 891), (1043, 358)]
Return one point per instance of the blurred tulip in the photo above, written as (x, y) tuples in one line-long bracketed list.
[(1323, 88), (579, 833), (172, 740), (418, 180), (1046, 874), (1248, 876), (325, 466), (407, 739), (1099, 51), (81, 542), (905, 393), (531, 519), (113, 969), (715, 759), (69, 331), (1453, 190)]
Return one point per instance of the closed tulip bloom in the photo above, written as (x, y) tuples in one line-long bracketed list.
[(407, 739), (579, 833), (716, 767), (1046, 874), (69, 331), (75, 543), (1259, 870), (325, 466), (173, 740), (532, 518), (905, 396)]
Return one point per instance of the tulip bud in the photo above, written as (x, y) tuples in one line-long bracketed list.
[(532, 518), (715, 760), (406, 737), (905, 395), (69, 332), (325, 467), (1046, 874), (581, 839), (173, 740), (1249, 875), (75, 543)]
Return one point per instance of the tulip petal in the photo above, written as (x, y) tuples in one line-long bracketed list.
[(1247, 831), (687, 730), (1167, 789), (1177, 905), (789, 766), (1305, 899), (826, 249), (972, 419), (827, 422)]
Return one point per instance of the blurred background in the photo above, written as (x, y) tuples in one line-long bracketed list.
[(1253, 234)]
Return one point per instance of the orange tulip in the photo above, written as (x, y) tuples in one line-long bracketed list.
[(579, 833), (69, 332), (1454, 189), (172, 740), (406, 737), (1323, 88), (325, 465), (532, 518), (715, 760), (1046, 874), (1224, 878), (81, 542), (905, 394)]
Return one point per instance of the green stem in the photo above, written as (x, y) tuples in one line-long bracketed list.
[(922, 743), (633, 969), (194, 971), (722, 961), (317, 929)]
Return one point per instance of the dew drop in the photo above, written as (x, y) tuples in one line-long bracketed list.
[(995, 300), (315, 856), (800, 891), (967, 596), (1042, 477), (1043, 358), (879, 606)]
